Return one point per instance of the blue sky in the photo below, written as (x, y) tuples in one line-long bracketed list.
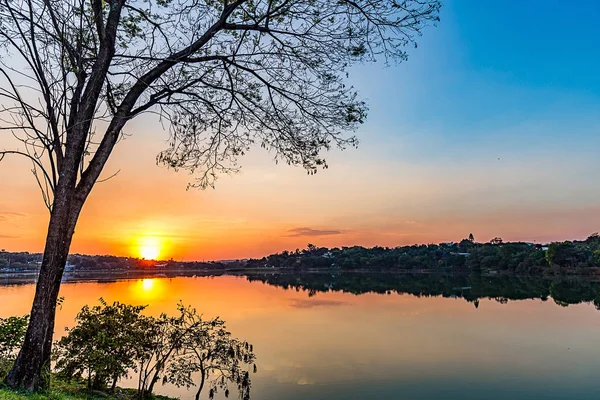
[(493, 65)]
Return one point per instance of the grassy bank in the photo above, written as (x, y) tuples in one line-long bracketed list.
[(71, 391)]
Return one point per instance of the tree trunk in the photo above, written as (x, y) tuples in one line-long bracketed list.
[(201, 386), (31, 370), (114, 385), (152, 383)]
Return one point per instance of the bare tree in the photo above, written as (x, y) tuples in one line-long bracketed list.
[(223, 75)]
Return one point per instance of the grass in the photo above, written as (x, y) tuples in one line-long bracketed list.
[(70, 391)]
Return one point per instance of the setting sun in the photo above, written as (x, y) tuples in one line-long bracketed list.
[(149, 248)]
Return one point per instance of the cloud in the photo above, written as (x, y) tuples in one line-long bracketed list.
[(8, 237), (298, 232), (310, 303), (11, 216)]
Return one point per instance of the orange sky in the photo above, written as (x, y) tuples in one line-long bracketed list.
[(269, 208), (360, 199)]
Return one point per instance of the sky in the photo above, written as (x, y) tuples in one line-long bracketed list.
[(491, 127)]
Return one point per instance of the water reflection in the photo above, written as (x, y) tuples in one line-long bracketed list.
[(148, 284), (384, 336), (563, 290)]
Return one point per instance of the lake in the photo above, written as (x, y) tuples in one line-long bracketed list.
[(370, 336)]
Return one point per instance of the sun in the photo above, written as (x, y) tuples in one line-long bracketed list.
[(149, 247), (149, 252)]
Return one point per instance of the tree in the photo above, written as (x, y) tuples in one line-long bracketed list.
[(164, 340), (102, 347), (471, 238), (223, 75), (568, 255), (109, 341), (209, 349), (496, 240)]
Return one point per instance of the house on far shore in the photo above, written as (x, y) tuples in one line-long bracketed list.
[(461, 254)]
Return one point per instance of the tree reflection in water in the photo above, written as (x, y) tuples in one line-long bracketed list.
[(563, 290)]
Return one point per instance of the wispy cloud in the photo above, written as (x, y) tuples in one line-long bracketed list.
[(310, 303), (11, 216), (298, 232), (8, 237)]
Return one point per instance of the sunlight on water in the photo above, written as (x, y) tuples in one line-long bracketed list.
[(144, 290), (148, 284)]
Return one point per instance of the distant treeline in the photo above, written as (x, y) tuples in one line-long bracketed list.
[(94, 263), (578, 257), (23, 262)]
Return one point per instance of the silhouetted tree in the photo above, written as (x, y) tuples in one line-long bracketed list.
[(496, 240), (209, 349), (224, 75)]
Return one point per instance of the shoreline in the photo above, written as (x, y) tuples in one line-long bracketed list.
[(8, 278)]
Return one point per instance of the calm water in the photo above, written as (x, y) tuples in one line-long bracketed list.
[(327, 344)]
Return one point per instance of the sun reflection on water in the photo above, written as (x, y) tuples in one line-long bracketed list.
[(146, 290), (147, 284)]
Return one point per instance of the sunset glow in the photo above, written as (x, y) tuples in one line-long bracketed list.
[(149, 248)]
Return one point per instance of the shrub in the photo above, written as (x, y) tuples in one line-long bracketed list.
[(110, 341), (103, 346), (12, 333)]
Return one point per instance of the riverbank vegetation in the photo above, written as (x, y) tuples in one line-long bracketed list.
[(567, 257), (577, 257), (60, 390), (113, 341)]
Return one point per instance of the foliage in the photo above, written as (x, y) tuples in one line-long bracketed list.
[(12, 333), (73, 390), (103, 344), (581, 257), (209, 349), (222, 75), (111, 340)]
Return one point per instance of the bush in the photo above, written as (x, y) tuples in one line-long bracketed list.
[(110, 341), (12, 333), (103, 346)]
